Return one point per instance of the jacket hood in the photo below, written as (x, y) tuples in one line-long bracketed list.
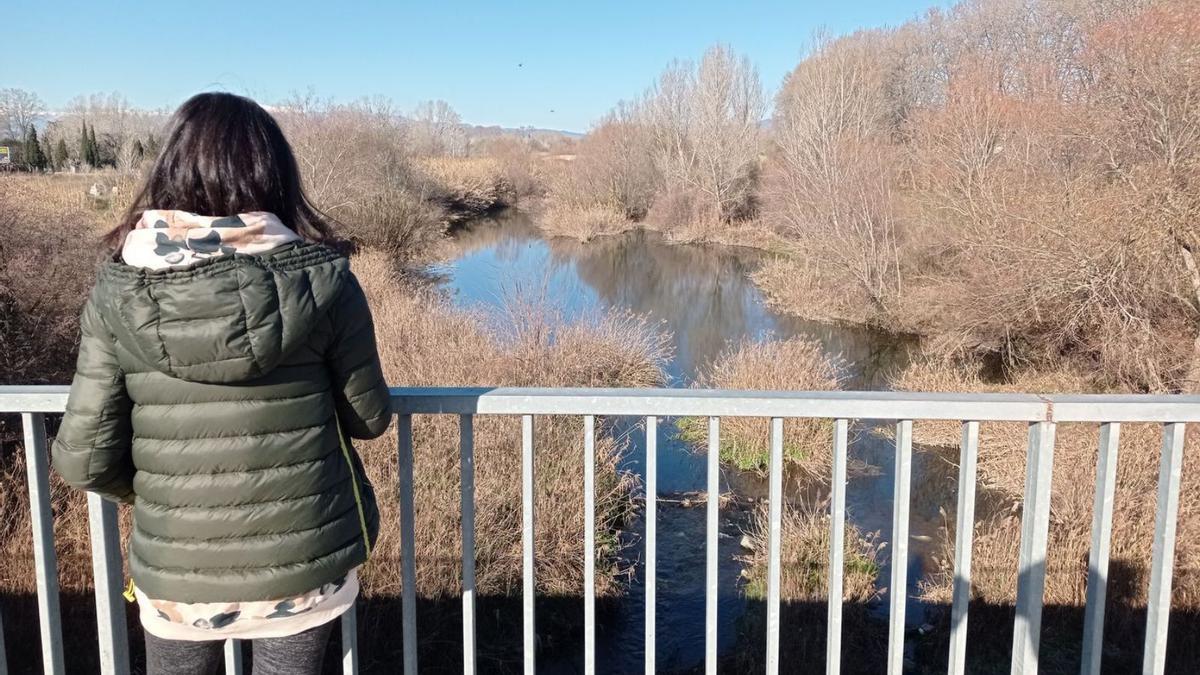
[(225, 319)]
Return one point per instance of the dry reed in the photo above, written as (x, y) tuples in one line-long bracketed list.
[(1001, 466), (796, 364)]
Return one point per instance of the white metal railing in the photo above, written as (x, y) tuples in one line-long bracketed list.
[(1042, 413)]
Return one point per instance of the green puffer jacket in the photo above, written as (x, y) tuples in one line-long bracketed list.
[(210, 398)]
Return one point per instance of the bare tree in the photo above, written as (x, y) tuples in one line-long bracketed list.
[(129, 156), (834, 169), (343, 149), (18, 110), (437, 130), (1148, 99), (705, 124)]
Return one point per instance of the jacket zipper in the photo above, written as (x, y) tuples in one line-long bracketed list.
[(362, 515)]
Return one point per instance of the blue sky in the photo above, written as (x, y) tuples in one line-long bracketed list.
[(557, 64)]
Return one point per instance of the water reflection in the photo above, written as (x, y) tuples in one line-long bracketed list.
[(702, 295)]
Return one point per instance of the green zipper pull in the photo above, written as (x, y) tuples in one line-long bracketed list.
[(128, 594)]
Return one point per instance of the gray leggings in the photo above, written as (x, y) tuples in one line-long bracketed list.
[(299, 654)]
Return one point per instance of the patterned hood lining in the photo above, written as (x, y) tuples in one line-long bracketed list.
[(165, 238)]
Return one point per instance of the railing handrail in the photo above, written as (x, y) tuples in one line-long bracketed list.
[(1040, 412), (885, 405)]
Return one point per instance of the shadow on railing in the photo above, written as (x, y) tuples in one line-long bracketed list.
[(1031, 645), (499, 629)]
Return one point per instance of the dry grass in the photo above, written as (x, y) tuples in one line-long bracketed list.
[(1002, 470), (50, 196), (684, 216), (794, 285), (1002, 458), (47, 261), (804, 553), (753, 233), (582, 223), (792, 364), (468, 187), (774, 365), (804, 587)]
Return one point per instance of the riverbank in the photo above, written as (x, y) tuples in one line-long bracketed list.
[(723, 335), (789, 283), (643, 270), (888, 187)]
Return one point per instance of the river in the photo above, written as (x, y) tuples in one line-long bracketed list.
[(703, 297)]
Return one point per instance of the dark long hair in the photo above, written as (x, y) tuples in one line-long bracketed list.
[(225, 154)]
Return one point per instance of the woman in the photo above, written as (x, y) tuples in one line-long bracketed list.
[(227, 353)]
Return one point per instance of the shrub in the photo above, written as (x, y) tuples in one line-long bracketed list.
[(520, 167), (796, 364), (371, 185), (1012, 184), (684, 217)]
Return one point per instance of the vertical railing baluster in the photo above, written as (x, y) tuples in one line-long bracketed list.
[(529, 585), (107, 575), (1102, 513), (350, 641), (3, 651), (837, 548), (408, 546), (712, 573), (589, 544), (49, 617), (964, 535), (651, 537), (774, 543), (233, 657), (1158, 607), (467, 498), (1035, 528), (898, 590)]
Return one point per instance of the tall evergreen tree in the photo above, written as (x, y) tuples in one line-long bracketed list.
[(95, 148), (33, 150), (85, 151), (61, 156), (48, 153)]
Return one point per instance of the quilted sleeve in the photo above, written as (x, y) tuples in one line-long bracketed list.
[(92, 450), (364, 405)]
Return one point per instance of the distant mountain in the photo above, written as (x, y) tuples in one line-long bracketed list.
[(480, 131)]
